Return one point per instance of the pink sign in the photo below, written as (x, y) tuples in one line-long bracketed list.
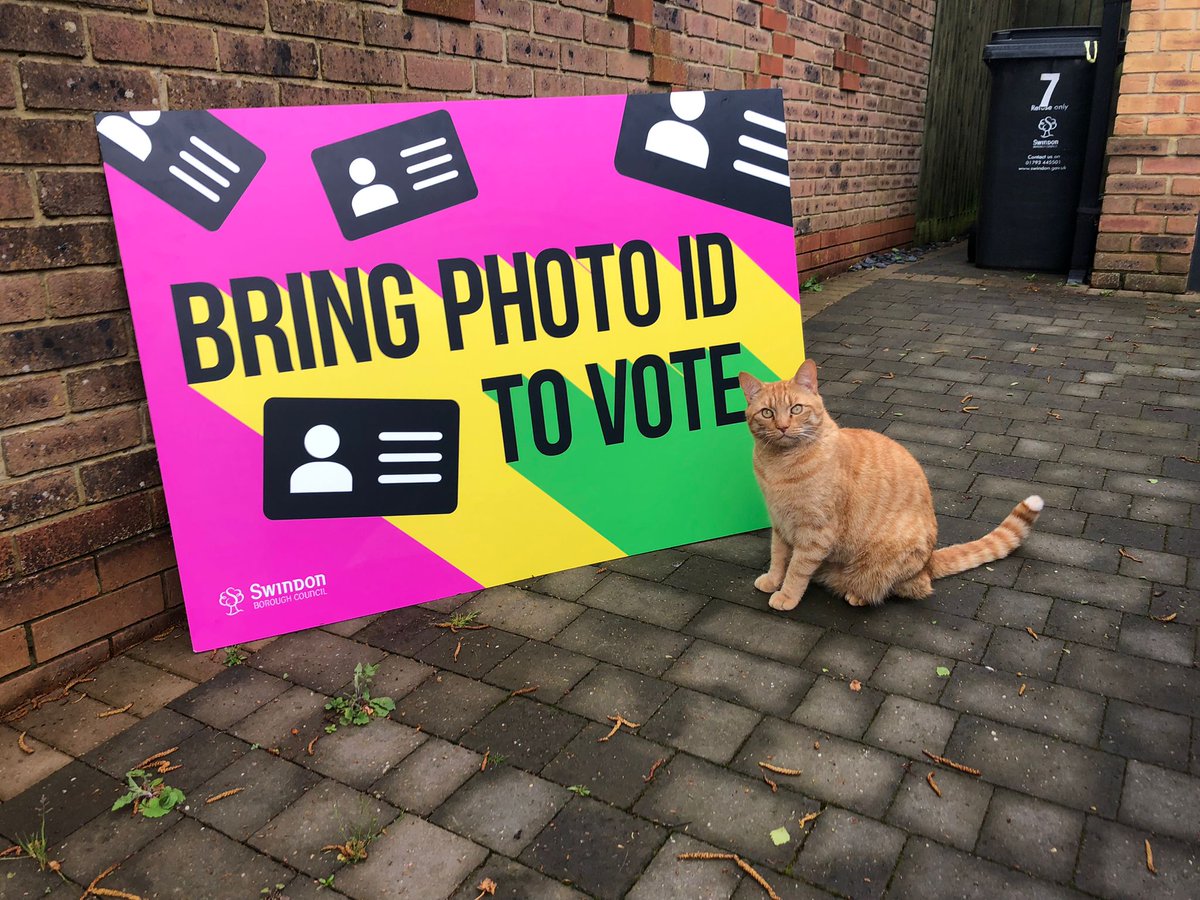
[(404, 351)]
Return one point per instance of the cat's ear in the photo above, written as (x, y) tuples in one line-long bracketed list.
[(750, 385), (806, 376)]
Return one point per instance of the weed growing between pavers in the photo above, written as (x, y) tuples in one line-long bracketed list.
[(357, 835), (35, 847), (235, 656), (276, 892), (150, 796), (358, 707)]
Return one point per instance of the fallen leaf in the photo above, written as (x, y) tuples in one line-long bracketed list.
[(856, 685), (780, 836), (943, 672)]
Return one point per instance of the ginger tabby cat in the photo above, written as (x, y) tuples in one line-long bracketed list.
[(849, 507)]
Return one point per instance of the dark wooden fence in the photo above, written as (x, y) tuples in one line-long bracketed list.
[(957, 103)]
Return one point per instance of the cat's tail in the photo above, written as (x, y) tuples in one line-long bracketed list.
[(996, 544)]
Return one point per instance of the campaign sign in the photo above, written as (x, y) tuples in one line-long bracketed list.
[(403, 351)]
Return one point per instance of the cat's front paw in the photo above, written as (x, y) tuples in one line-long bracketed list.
[(767, 584), (780, 601)]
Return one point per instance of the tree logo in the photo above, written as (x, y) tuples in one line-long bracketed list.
[(231, 598), (1047, 126)]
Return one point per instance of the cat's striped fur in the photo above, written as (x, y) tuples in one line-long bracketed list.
[(851, 508)]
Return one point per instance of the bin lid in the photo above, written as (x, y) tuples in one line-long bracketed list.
[(1040, 43)]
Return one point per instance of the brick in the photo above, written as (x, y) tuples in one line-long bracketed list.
[(105, 386), (56, 346), (87, 290), (56, 246), (339, 21), (640, 38), (202, 92), (82, 438), (384, 29), (55, 86), (18, 688), (292, 94), (581, 58), (29, 29), (30, 400), (358, 66), (527, 50), (14, 651), (72, 193), (252, 13), (558, 22), (503, 81), (122, 39), (82, 532), (75, 627), (256, 55), (16, 199), (638, 10), (28, 499), (22, 298), (120, 475), (462, 10), (460, 40), (516, 15), (29, 598), (439, 74)]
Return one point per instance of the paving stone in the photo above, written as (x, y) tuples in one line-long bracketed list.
[(1034, 764), (741, 678), (123, 680), (104, 841), (646, 601), (398, 676), (1161, 800), (734, 812), (522, 612), (609, 691), (422, 780), (269, 784), (159, 731), (751, 549), (202, 755), (1183, 541), (502, 808), (1109, 591), (787, 889), (413, 861), (361, 755), (514, 882), (470, 653), (446, 704), (1014, 609), (953, 818), (850, 854), (1166, 641), (830, 705), (315, 659), (938, 632), (597, 848), (348, 627), (1018, 651), (553, 670), (907, 727), (231, 695), (297, 710), (717, 578), (1032, 835), (328, 813), (702, 725), (527, 733), (1112, 864), (25, 882), (74, 795), (654, 566), (1150, 735), (24, 769), (1157, 684), (1160, 511), (754, 632), (613, 769), (174, 654), (1164, 568), (73, 726), (929, 871), (1049, 708), (911, 673), (570, 584), (204, 863), (669, 876), (403, 631), (838, 771), (1084, 623), (1124, 532), (624, 642)]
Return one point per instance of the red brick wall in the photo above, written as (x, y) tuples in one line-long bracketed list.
[(1152, 192), (86, 564)]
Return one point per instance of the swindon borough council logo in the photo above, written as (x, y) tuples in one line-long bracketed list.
[(231, 598)]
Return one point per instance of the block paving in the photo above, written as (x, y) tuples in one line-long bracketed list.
[(1073, 684)]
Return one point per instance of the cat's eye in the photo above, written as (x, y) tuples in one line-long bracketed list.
[(797, 409), (768, 413)]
